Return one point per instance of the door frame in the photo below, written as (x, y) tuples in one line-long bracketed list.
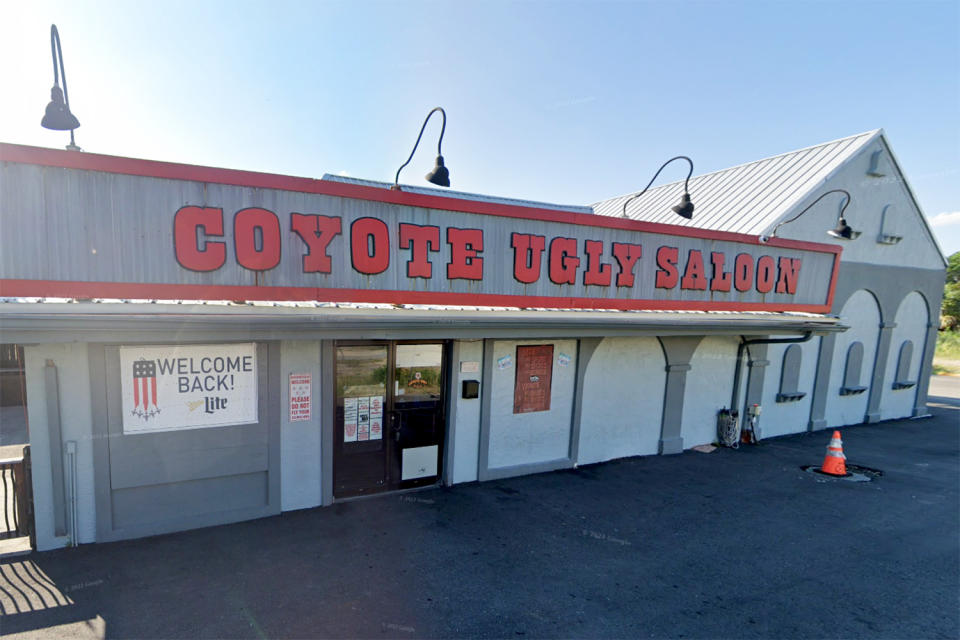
[(329, 409)]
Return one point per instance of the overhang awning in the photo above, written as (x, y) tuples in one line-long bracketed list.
[(28, 321)]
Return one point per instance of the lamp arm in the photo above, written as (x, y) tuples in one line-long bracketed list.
[(686, 183), (54, 45), (443, 128), (807, 208), (56, 51)]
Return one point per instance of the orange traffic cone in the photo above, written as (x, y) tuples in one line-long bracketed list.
[(834, 463)]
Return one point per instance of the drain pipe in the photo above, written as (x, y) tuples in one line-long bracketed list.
[(745, 344)]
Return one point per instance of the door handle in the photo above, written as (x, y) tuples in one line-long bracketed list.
[(395, 424)]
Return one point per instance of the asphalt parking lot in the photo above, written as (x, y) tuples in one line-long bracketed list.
[(726, 544)]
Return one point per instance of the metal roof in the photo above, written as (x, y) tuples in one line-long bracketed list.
[(749, 198), (461, 195)]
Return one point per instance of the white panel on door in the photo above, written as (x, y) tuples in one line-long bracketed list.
[(419, 462)]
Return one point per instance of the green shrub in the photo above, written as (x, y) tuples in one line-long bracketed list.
[(948, 345)]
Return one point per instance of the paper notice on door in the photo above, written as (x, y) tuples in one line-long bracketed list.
[(376, 417), (349, 419), (363, 419)]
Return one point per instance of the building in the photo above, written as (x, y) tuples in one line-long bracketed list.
[(204, 346)]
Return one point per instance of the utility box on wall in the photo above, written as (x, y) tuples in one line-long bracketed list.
[(471, 389)]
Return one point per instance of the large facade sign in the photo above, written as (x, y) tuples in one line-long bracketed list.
[(137, 236), (187, 386)]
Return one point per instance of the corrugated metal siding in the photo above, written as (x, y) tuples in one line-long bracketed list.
[(99, 227), (749, 198)]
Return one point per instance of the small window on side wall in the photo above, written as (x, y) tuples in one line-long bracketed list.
[(903, 367), (790, 375), (851, 374)]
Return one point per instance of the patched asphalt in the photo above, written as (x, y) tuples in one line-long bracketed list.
[(726, 544)]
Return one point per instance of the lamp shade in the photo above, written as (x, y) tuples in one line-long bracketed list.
[(58, 116), (685, 208), (843, 231), (440, 175)]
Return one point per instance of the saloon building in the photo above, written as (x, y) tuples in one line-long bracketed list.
[(203, 346)]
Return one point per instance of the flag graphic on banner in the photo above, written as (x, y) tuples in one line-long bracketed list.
[(145, 388)]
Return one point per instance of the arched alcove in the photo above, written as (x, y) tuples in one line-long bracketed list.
[(790, 375), (848, 387), (708, 389), (853, 371), (622, 400), (904, 361)]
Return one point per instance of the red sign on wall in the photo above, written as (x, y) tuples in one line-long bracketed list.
[(534, 372), (300, 397)]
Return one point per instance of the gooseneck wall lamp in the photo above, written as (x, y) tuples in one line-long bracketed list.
[(440, 175), (685, 208), (843, 231), (58, 116)]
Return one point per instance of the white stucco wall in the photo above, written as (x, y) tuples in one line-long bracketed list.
[(862, 315), (911, 320), (528, 438), (781, 418), (466, 426), (869, 197), (73, 375), (622, 400), (708, 389), (300, 459)]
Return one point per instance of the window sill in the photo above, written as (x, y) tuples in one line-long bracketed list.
[(792, 396), (852, 391)]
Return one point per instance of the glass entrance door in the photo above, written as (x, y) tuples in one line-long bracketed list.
[(359, 448), (417, 413), (389, 416)]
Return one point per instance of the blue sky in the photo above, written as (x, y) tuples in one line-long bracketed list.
[(567, 102)]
